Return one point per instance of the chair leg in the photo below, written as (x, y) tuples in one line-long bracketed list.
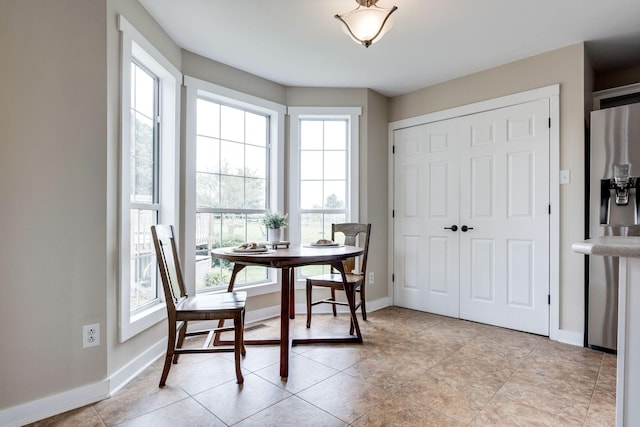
[(181, 334), (333, 298), (351, 298), (363, 302), (171, 342), (244, 349), (238, 344), (308, 305)]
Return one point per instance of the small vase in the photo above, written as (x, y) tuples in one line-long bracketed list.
[(275, 234)]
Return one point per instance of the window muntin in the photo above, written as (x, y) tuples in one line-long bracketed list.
[(232, 188)]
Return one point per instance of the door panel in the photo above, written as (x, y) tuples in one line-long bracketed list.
[(426, 254), (516, 186)]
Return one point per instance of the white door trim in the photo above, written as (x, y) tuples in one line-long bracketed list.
[(552, 93)]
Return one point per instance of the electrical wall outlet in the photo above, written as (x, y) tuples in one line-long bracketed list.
[(371, 278), (91, 335)]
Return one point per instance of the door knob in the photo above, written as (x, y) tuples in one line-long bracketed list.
[(465, 228), (452, 228)]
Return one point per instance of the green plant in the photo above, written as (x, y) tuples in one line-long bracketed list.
[(274, 220)]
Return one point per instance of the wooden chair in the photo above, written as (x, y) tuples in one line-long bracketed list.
[(333, 280), (182, 308)]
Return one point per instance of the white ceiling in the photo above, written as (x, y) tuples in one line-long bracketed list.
[(300, 43)]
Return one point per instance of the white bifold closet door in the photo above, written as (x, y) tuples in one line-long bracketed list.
[(471, 226)]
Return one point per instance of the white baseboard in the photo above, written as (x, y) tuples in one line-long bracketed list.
[(124, 375), (56, 404)]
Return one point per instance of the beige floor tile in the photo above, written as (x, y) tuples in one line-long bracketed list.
[(85, 416), (194, 378), (344, 396), (292, 412), (457, 399), (140, 396), (504, 412), (391, 372), (397, 411), (232, 403), (556, 396), (185, 413), (303, 373)]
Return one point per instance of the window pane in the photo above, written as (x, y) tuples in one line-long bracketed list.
[(316, 226), (232, 155), (311, 165), (311, 227), (208, 119), (142, 156), (143, 267), (335, 135), (256, 162), (311, 195), (256, 129), (311, 135), (335, 194), (335, 165), (216, 230), (255, 230), (256, 197), (207, 190), (231, 192), (208, 155), (231, 124), (143, 97)]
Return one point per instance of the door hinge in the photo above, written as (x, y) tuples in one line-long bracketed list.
[(549, 209), (393, 277), (393, 213), (549, 299), (393, 149), (549, 122)]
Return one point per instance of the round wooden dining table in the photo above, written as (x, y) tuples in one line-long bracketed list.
[(286, 259)]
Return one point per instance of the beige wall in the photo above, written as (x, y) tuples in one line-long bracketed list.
[(566, 67), (53, 148)]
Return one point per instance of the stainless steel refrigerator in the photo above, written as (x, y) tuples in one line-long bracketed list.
[(614, 201)]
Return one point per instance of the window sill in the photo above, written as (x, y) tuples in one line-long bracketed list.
[(142, 321)]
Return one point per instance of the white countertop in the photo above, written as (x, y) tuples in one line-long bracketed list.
[(621, 246)]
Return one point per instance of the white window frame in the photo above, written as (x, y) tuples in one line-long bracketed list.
[(352, 115), (233, 98), (134, 45)]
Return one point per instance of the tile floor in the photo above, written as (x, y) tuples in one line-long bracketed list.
[(414, 369)]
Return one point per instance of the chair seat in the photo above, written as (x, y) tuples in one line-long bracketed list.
[(230, 301), (334, 280)]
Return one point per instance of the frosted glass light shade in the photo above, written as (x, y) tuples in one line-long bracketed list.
[(367, 23)]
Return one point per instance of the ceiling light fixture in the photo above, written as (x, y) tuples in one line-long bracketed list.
[(368, 22)]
